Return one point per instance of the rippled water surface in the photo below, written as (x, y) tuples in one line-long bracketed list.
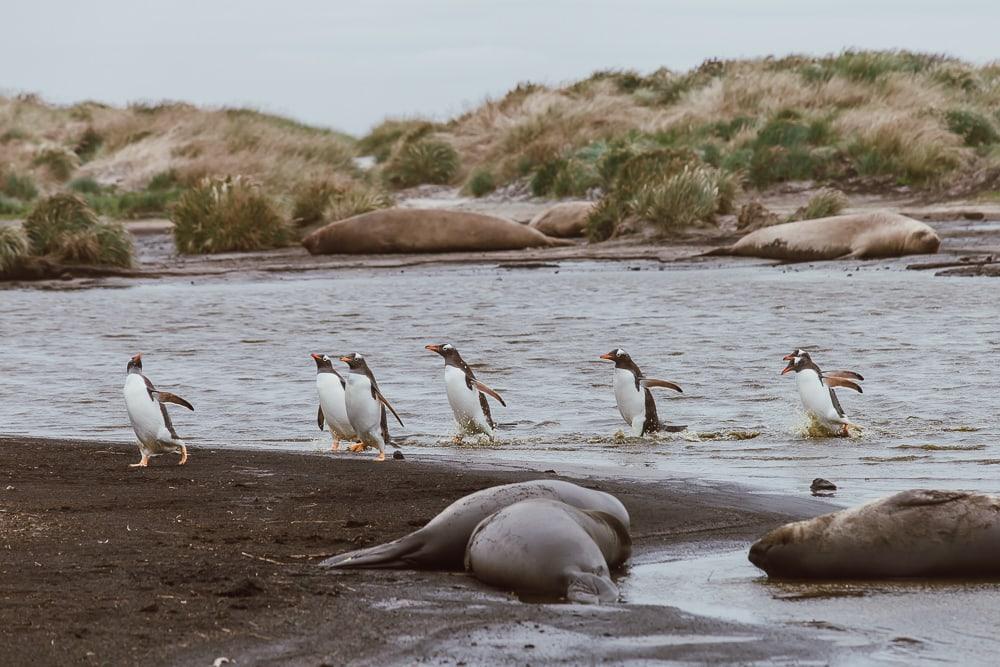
[(239, 350)]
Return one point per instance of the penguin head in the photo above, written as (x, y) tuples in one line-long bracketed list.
[(619, 356), (446, 350), (353, 360), (323, 362), (796, 362), (134, 364)]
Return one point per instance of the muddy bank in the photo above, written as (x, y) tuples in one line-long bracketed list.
[(103, 564)]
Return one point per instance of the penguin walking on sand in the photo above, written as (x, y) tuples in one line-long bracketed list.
[(147, 411), (816, 390), (332, 406), (635, 401), (466, 394), (366, 406)]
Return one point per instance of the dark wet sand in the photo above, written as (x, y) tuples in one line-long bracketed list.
[(103, 564)]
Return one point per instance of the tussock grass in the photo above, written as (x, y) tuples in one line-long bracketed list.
[(388, 134), (225, 215), (19, 186), (67, 229), (57, 162), (13, 248), (9, 206), (480, 183), (823, 204), (357, 200), (420, 161), (312, 200)]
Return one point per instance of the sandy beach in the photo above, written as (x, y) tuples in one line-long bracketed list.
[(103, 564)]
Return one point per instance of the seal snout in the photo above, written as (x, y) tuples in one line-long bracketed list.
[(758, 553)]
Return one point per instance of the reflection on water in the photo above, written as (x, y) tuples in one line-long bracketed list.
[(239, 350)]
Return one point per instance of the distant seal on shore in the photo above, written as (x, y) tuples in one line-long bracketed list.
[(441, 543), (407, 230), (546, 547), (856, 236), (566, 220), (920, 533)]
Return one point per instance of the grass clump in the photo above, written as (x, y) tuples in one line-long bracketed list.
[(13, 248), (481, 182), (88, 144), (419, 162), (59, 163), (311, 201), (19, 186), (823, 204), (355, 201), (974, 128), (385, 136), (85, 185), (9, 206), (787, 148), (66, 228), (223, 215)]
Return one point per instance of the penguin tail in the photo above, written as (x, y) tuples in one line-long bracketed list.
[(396, 554), (724, 251)]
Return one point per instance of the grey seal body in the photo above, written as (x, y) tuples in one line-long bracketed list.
[(548, 548), (441, 543), (919, 533)]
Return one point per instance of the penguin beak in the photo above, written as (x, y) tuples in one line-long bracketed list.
[(607, 357), (317, 357), (345, 359), (790, 367), (788, 357), (137, 358), (433, 348)]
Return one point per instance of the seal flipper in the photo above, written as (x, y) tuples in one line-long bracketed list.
[(401, 553), (724, 251), (589, 588)]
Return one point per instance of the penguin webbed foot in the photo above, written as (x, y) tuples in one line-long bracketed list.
[(144, 463), (335, 447), (184, 456), (357, 447), (380, 457)]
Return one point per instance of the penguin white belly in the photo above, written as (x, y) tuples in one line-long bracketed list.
[(816, 397), (363, 411), (333, 401), (465, 402), (631, 401), (144, 413)]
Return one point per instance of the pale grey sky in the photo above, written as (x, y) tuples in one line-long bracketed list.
[(349, 64)]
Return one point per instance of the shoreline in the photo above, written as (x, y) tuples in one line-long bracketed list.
[(103, 563)]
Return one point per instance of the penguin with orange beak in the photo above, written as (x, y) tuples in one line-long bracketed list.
[(635, 401), (366, 406), (332, 412), (147, 411), (816, 390), (466, 394)]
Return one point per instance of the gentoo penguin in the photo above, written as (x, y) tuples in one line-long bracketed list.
[(332, 409), (148, 413), (466, 394), (366, 406), (816, 390), (635, 401)]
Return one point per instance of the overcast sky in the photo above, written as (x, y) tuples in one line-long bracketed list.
[(349, 64)]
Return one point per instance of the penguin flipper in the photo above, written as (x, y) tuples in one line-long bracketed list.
[(381, 399), (489, 392), (167, 397), (847, 375), (319, 417), (841, 382), (651, 382)]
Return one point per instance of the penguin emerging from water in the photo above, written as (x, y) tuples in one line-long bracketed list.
[(147, 411), (635, 401), (466, 394), (366, 406), (332, 407), (816, 390)]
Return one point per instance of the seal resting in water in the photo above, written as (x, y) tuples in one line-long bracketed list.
[(919, 533), (441, 543), (855, 236), (546, 547), (566, 220), (408, 230)]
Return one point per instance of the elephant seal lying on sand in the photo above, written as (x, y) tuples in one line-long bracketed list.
[(545, 547), (441, 543), (407, 230), (856, 236), (566, 220), (911, 534)]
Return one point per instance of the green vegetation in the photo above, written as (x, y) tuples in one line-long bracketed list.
[(385, 136), (481, 183), (19, 186), (59, 163), (974, 128), (13, 248), (357, 200), (420, 161), (225, 215), (823, 204), (311, 201), (66, 228), (88, 144), (10, 207)]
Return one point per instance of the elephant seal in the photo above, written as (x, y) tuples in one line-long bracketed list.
[(546, 547), (408, 230), (856, 236), (566, 220), (918, 533), (441, 543)]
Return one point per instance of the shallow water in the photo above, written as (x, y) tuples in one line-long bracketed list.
[(238, 349)]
